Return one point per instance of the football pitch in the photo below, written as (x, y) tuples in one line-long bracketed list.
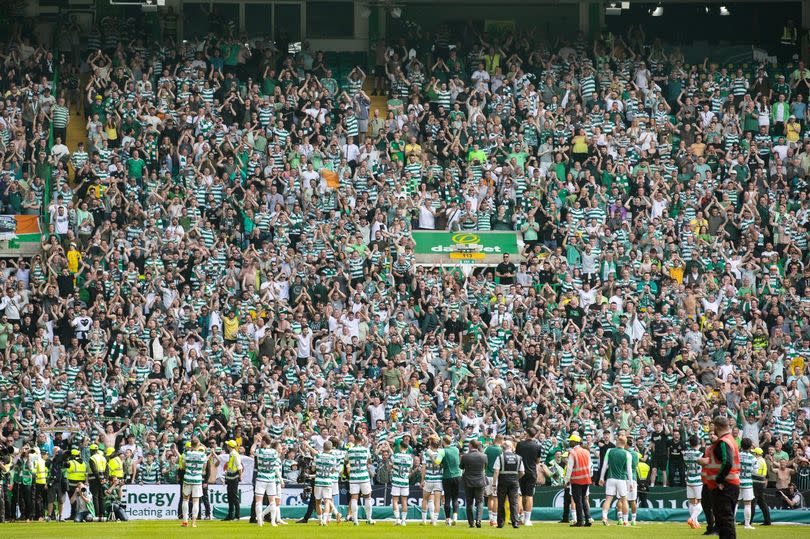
[(415, 529)]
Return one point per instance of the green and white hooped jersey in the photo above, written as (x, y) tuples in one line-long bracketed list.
[(358, 457), (433, 465), (401, 470), (326, 466), (268, 464), (748, 463), (194, 462), (340, 458), (690, 459)]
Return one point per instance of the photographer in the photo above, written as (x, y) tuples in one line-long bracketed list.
[(82, 502), (114, 507), (57, 483), (307, 478), (23, 485), (792, 497)]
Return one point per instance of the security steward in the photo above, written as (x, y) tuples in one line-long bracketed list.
[(40, 496), (97, 475), (760, 479), (233, 476), (722, 476), (115, 466), (578, 475), (506, 473), (76, 473)]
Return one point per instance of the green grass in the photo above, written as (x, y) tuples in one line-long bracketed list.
[(243, 530)]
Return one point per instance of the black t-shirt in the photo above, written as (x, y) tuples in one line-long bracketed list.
[(529, 451), (575, 313), (660, 442), (545, 276), (676, 450), (454, 327), (506, 267)]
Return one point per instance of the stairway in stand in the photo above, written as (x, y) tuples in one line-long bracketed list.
[(76, 131), (378, 102)]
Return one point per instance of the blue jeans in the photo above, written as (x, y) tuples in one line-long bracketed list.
[(82, 516)]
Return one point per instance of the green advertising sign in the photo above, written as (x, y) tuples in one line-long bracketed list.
[(437, 243)]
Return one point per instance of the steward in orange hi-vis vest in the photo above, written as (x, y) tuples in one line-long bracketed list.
[(578, 478), (721, 475)]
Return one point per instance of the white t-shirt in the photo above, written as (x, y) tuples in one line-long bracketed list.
[(81, 325), (426, 218)]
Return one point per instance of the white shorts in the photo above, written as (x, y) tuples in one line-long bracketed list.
[(433, 486), (323, 493), (489, 490), (632, 490), (400, 491), (195, 491), (270, 488), (616, 487), (747, 494), (694, 493), (363, 488)]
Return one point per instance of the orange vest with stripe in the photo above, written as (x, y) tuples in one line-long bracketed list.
[(581, 474), (710, 470)]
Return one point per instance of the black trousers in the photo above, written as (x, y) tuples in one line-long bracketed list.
[(724, 504), (60, 132), (566, 516), (233, 498), (708, 510), (475, 498), (579, 492), (40, 499), (759, 498), (71, 490), (310, 508), (450, 486), (507, 489), (677, 474), (25, 500), (97, 492), (204, 503)]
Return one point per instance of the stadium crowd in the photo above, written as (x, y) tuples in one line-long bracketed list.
[(202, 275)]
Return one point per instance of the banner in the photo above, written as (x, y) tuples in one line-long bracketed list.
[(437, 243), (162, 502), (19, 235), (499, 27)]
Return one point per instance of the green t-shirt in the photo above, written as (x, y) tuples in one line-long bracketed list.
[(450, 462), (619, 464), (492, 452), (135, 168)]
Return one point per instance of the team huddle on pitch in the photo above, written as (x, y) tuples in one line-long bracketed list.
[(501, 472)]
